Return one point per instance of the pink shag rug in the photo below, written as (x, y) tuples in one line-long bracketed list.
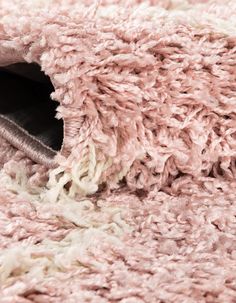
[(142, 204)]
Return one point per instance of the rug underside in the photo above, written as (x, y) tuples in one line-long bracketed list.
[(29, 125), (125, 189)]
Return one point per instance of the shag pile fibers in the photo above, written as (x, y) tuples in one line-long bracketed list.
[(142, 204)]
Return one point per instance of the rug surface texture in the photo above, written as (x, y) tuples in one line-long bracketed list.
[(139, 205)]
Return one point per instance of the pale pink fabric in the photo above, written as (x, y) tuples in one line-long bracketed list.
[(147, 93)]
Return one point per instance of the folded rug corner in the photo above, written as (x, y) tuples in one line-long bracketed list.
[(130, 197)]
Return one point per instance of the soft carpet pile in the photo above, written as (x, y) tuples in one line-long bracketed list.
[(141, 206)]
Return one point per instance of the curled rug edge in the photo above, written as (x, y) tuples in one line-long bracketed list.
[(135, 108), (153, 102)]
